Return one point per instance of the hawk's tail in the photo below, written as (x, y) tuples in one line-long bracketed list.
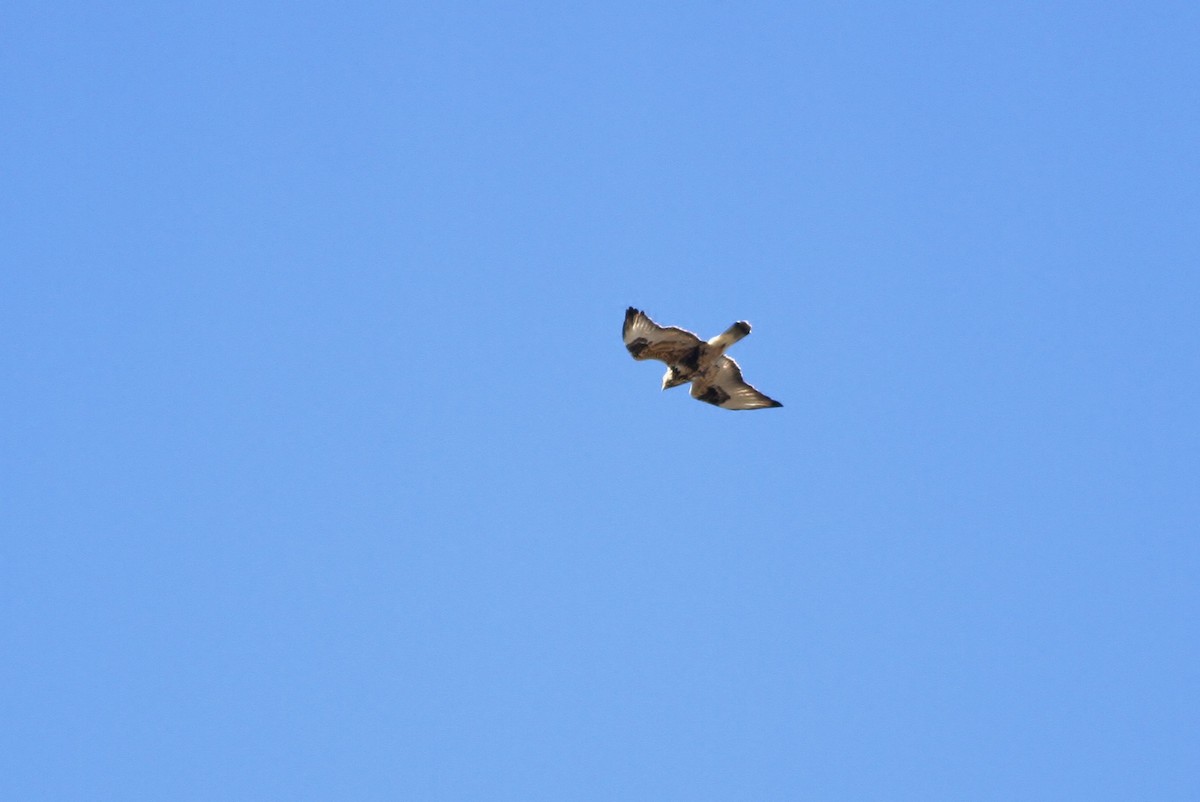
[(731, 335)]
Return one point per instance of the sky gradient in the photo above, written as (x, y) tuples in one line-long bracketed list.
[(326, 475)]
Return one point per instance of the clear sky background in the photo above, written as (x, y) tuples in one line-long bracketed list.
[(326, 475)]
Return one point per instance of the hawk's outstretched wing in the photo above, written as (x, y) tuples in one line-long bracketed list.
[(725, 387), (645, 339)]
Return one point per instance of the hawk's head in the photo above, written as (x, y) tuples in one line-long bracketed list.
[(673, 378)]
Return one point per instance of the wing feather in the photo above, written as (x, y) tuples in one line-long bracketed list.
[(645, 339), (724, 386)]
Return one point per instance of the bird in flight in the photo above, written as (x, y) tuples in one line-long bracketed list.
[(716, 378)]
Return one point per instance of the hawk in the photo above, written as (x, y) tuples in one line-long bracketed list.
[(716, 379)]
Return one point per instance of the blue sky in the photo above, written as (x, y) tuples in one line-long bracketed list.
[(326, 474)]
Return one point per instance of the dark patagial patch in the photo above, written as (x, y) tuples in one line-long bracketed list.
[(691, 359), (637, 346), (713, 395)]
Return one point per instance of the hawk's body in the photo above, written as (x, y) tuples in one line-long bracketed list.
[(716, 378)]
